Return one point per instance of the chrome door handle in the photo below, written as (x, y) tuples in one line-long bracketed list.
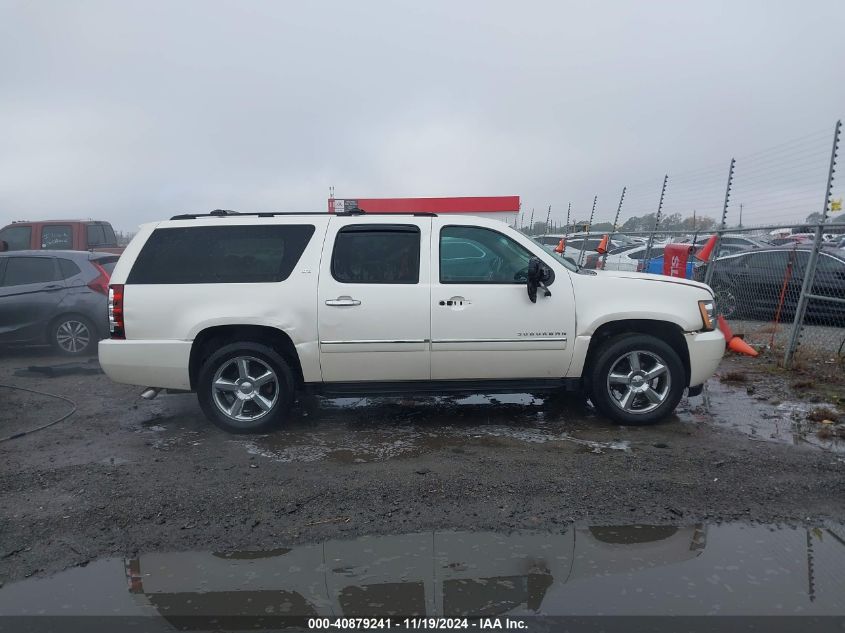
[(343, 301)]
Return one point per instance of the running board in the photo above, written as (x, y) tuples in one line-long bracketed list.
[(438, 387)]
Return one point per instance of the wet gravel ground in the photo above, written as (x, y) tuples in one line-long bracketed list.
[(123, 475)]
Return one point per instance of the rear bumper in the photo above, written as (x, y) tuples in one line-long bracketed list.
[(147, 363), (705, 353)]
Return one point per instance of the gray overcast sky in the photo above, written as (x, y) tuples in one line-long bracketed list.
[(134, 111)]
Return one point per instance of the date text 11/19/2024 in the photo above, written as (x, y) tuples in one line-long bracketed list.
[(430, 624)]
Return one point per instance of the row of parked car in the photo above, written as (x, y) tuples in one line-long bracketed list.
[(54, 283), (752, 278)]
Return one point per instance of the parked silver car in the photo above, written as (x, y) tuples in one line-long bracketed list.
[(55, 297)]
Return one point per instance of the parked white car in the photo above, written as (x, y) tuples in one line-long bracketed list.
[(246, 309)]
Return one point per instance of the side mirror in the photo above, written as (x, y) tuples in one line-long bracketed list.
[(4, 246), (539, 275)]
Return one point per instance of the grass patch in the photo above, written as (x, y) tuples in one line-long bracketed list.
[(820, 414), (734, 376)]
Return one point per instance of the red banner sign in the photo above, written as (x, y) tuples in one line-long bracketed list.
[(675, 257), (486, 204)]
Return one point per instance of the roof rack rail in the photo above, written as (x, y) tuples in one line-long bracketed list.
[(223, 213)]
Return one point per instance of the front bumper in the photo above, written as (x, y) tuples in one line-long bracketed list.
[(706, 350)]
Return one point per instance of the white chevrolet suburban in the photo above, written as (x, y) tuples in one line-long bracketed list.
[(247, 308)]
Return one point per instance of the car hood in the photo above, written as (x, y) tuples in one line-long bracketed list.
[(622, 274)]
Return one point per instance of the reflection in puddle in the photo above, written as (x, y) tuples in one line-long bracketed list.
[(632, 570)]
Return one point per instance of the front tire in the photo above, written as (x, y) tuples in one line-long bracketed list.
[(636, 379), (245, 388)]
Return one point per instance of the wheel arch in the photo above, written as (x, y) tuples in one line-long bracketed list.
[(666, 331), (207, 341)]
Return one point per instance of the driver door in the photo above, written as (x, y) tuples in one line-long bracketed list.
[(483, 326)]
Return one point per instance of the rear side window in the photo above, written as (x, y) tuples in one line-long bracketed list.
[(56, 237), (377, 254), (95, 235), (17, 237), (68, 268), (29, 270), (221, 254), (107, 263), (108, 231)]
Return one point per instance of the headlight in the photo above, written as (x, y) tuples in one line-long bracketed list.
[(708, 313)]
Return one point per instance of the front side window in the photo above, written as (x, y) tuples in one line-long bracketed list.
[(377, 254), (497, 258), (29, 270), (56, 237), (221, 254), (17, 238)]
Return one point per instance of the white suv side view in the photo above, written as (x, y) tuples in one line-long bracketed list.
[(247, 309)]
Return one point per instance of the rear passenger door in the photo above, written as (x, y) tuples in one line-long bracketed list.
[(374, 289), (29, 297)]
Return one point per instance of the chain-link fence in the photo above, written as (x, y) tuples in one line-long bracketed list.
[(777, 264)]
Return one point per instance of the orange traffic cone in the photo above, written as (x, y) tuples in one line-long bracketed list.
[(739, 346), (602, 247), (707, 249), (560, 246), (724, 327)]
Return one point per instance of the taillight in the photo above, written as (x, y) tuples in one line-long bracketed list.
[(101, 283), (116, 311), (640, 265)]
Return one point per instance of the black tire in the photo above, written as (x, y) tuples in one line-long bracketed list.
[(614, 354), (225, 367), (73, 335)]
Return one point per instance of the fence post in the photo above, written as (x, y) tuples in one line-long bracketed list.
[(580, 261), (613, 230), (656, 224), (810, 273), (566, 229), (711, 265)]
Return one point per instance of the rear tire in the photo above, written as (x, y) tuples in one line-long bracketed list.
[(636, 379), (245, 388), (73, 335)]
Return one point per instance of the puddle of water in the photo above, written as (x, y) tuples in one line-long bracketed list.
[(785, 422), (356, 430), (625, 570)]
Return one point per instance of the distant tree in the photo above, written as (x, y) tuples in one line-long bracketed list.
[(602, 226), (814, 218)]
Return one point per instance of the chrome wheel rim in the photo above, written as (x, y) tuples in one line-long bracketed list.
[(638, 382), (245, 389), (73, 336)]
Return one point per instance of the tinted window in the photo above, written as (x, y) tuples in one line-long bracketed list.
[(828, 264), (68, 268), (220, 254), (56, 237), (107, 263), (17, 237), (502, 260), (111, 239), (29, 270), (95, 235), (768, 260), (383, 254)]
